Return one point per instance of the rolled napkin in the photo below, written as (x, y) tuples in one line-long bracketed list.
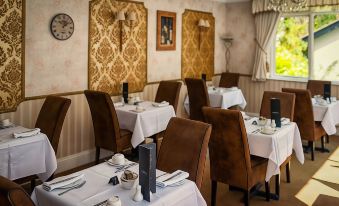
[(118, 104), (62, 182), (172, 178), (161, 104), (28, 133)]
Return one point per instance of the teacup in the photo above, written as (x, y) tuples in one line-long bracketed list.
[(113, 201), (5, 122), (137, 99), (262, 121), (118, 159), (268, 129), (128, 179), (131, 100)]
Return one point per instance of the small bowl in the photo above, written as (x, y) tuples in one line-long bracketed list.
[(128, 184), (262, 122)]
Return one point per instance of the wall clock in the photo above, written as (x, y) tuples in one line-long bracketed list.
[(62, 26)]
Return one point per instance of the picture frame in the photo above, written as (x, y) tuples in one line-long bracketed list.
[(166, 31)]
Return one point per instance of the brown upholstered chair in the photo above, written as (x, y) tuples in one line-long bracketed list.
[(107, 132), (228, 80), (51, 118), (198, 97), (12, 194), (169, 91), (184, 147), (230, 159), (303, 116), (316, 87)]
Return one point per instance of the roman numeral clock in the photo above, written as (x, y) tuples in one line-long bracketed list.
[(62, 26)]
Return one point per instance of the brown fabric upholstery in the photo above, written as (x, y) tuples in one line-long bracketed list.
[(303, 115), (51, 118), (198, 97), (11, 194), (287, 102), (184, 147), (229, 79), (169, 91), (230, 158), (316, 87), (107, 132)]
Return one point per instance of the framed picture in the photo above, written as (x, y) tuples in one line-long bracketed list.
[(166, 30)]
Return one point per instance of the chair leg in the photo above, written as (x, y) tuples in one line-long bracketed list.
[(323, 143), (97, 155), (277, 185), (327, 138), (32, 184), (288, 173), (267, 191), (214, 192), (311, 145), (247, 197)]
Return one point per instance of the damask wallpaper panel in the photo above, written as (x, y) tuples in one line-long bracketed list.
[(12, 29), (197, 57), (108, 66)]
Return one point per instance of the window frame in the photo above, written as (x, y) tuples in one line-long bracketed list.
[(310, 15)]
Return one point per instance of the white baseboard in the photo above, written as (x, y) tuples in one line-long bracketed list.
[(79, 159)]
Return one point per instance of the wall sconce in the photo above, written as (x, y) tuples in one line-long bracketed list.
[(227, 43), (121, 16), (203, 26)]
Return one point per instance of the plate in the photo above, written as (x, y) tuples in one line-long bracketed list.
[(117, 165), (7, 126), (269, 133), (138, 111)]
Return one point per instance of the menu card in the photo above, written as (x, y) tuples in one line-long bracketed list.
[(125, 91), (327, 91), (275, 111), (147, 169)]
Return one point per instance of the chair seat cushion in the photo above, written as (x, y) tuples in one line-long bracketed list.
[(257, 161), (318, 131), (125, 133)]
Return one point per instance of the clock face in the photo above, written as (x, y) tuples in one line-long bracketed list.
[(62, 26)]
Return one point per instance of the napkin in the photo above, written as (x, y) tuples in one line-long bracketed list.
[(118, 104), (285, 121), (27, 133), (166, 180), (62, 182), (161, 104)]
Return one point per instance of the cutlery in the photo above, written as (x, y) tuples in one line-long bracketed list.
[(161, 175), (72, 188), (64, 180), (256, 131), (100, 203), (179, 173), (125, 167)]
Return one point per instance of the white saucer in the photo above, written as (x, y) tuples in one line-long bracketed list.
[(269, 133), (117, 165), (138, 111)]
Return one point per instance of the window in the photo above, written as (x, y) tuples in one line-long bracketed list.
[(297, 54)]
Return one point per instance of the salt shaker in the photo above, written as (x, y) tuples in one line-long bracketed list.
[(273, 125), (138, 196)]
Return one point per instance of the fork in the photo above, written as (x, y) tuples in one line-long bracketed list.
[(72, 188), (126, 167)]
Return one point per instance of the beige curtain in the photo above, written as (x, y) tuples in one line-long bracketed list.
[(263, 5), (265, 23)]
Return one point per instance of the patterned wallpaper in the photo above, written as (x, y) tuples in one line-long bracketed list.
[(108, 66), (197, 59), (11, 54)]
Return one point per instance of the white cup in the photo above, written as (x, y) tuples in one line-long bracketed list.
[(267, 129), (137, 99), (131, 100), (5, 122), (113, 201), (118, 159)]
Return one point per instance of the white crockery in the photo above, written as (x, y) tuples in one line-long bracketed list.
[(118, 159), (5, 122), (113, 201), (128, 184)]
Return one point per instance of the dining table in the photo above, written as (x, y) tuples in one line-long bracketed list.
[(150, 120), (25, 156), (276, 146), (222, 98), (97, 190), (327, 114)]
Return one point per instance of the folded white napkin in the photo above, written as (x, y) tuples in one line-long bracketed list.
[(167, 179), (118, 104), (28, 133), (62, 182), (161, 104), (285, 121)]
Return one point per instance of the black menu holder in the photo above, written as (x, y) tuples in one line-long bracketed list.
[(327, 91), (275, 111), (125, 91), (203, 77), (147, 169)]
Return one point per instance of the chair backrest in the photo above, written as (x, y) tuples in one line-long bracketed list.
[(169, 91), (316, 87), (230, 160), (184, 147), (303, 112), (51, 118), (228, 80), (198, 97), (287, 102), (104, 118), (12, 194)]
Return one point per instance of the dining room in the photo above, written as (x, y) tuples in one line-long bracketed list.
[(169, 102)]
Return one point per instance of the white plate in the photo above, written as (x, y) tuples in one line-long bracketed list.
[(269, 133), (138, 111), (117, 165)]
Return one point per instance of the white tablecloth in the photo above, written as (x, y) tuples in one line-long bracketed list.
[(97, 190), (144, 124), (223, 98), (23, 157), (276, 147), (328, 116)]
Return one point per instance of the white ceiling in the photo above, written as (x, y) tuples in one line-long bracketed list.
[(230, 1)]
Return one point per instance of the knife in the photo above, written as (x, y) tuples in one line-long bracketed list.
[(179, 173)]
